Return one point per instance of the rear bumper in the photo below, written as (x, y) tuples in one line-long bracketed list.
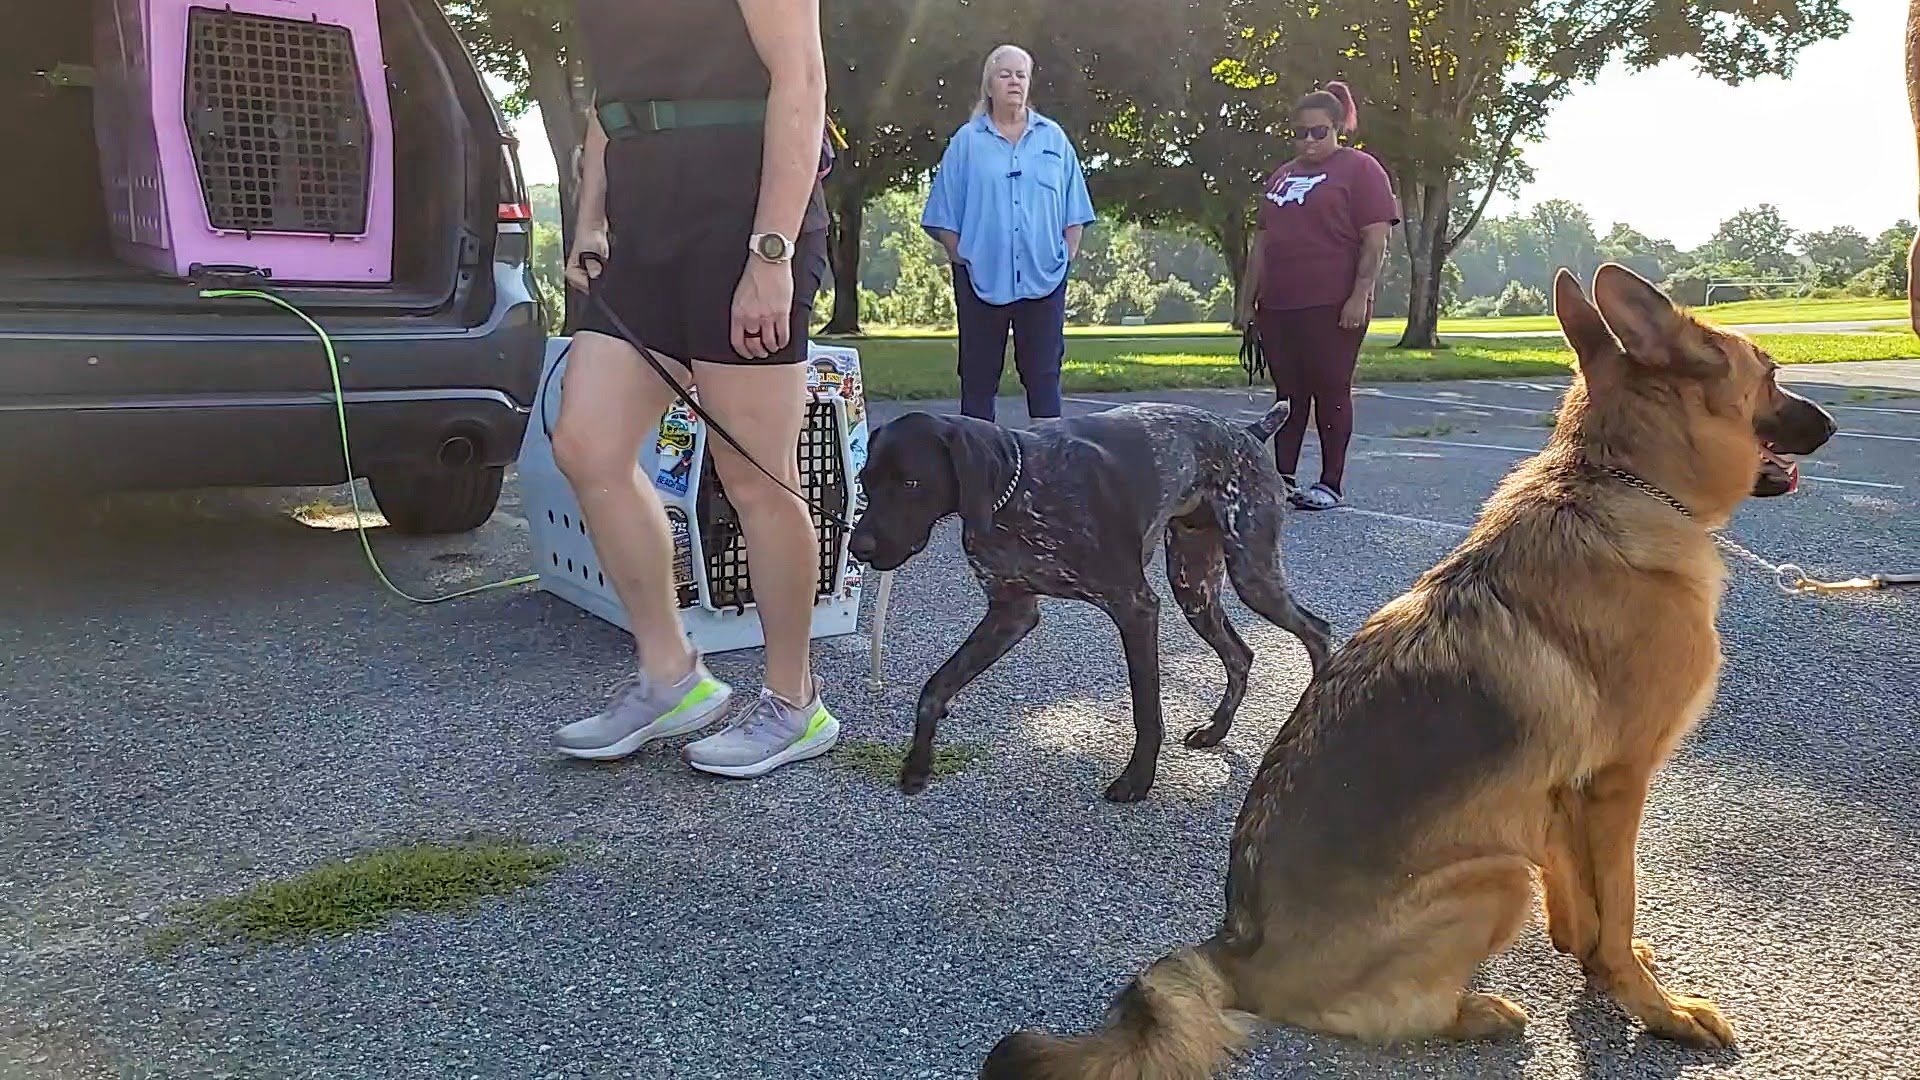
[(254, 406), (253, 441)]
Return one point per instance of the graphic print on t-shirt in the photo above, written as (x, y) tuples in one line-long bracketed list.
[(1294, 189)]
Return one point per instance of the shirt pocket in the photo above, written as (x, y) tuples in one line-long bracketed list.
[(1050, 172)]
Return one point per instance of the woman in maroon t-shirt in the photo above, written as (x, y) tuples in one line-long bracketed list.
[(1321, 235)]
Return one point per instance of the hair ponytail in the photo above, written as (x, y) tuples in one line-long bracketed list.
[(1336, 100), (1349, 114)]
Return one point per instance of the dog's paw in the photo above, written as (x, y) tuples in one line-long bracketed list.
[(913, 782), (1204, 737), (1487, 1016), (1694, 1021), (1128, 788)]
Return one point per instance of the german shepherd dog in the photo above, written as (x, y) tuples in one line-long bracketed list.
[(1506, 713)]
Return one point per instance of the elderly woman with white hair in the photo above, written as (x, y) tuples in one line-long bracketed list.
[(1008, 203)]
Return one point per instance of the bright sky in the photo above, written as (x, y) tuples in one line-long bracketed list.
[(1674, 153)]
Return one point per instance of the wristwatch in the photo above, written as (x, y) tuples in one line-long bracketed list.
[(770, 246)]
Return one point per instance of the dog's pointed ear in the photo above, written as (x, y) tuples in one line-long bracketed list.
[(1649, 327), (1580, 321), (979, 462)]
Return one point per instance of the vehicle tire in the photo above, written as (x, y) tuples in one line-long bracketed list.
[(436, 500)]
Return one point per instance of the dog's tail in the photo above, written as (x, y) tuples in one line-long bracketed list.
[(1264, 428), (1170, 1023)]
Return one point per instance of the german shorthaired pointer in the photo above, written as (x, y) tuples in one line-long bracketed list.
[(1072, 508)]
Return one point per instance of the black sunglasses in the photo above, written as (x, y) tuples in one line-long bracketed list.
[(1316, 132)]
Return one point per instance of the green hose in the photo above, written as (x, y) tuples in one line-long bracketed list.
[(346, 452)]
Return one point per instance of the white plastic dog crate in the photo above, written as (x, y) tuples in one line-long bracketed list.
[(710, 557)]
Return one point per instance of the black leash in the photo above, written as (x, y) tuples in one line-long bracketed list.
[(593, 296), (1253, 351)]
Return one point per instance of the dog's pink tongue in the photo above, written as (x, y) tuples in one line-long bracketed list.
[(1785, 464)]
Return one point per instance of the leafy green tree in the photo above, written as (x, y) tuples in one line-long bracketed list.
[(1518, 299), (529, 44), (1758, 237), (1628, 246), (1888, 274), (1176, 132), (902, 76), (1838, 253)]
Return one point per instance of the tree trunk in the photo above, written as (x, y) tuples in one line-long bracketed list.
[(1428, 212), (1230, 237), (849, 212)]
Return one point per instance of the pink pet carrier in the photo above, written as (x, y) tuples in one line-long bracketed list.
[(246, 136)]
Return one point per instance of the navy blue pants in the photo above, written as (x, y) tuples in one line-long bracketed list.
[(1039, 344)]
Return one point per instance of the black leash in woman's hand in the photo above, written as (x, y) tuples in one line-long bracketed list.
[(594, 296), (1253, 352)]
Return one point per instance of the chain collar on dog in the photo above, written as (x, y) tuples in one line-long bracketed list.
[(1638, 484), (1013, 482), (1789, 577)]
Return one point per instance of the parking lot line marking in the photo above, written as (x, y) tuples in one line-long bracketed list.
[(1526, 451), (1460, 402), (1460, 445), (1816, 477), (1470, 403), (1406, 518), (1877, 409)]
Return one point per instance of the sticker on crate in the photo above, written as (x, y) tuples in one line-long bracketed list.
[(683, 584), (675, 450), (833, 372)]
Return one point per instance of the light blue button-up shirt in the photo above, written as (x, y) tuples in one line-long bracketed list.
[(1011, 204)]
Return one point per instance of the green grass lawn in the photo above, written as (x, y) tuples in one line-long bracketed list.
[(1746, 311), (919, 368)]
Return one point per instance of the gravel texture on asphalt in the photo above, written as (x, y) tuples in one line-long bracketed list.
[(202, 693)]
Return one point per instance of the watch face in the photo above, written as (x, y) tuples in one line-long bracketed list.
[(773, 246)]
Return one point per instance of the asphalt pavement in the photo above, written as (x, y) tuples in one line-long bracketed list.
[(202, 691)]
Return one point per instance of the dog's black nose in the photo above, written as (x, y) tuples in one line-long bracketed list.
[(860, 546)]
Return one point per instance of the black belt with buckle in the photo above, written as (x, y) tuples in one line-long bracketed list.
[(622, 119)]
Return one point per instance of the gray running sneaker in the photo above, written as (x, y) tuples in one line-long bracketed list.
[(641, 713), (767, 736)]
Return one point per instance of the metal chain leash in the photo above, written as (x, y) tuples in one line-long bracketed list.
[(1790, 577)]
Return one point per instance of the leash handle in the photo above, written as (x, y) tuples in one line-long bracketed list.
[(594, 296)]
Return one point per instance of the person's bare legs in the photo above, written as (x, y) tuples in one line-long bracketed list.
[(763, 406), (611, 401)]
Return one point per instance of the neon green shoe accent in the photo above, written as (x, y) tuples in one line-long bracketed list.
[(706, 688), (820, 719)]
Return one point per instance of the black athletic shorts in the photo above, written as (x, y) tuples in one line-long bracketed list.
[(680, 209)]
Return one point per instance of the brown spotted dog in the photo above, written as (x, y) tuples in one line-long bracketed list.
[(1074, 508)]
